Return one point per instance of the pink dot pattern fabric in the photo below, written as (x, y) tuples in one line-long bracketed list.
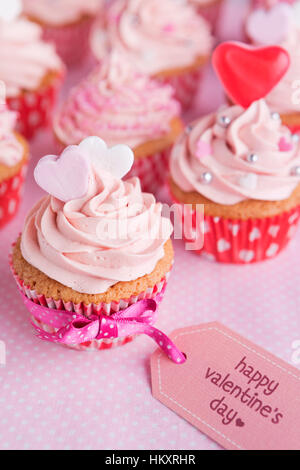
[(57, 398)]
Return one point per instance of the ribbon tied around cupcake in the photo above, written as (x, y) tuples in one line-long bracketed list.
[(74, 329)]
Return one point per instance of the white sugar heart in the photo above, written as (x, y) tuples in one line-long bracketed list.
[(65, 177), (249, 181), (246, 255), (268, 27), (9, 10), (116, 160), (254, 234), (223, 245)]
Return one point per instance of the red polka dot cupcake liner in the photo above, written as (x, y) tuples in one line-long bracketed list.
[(90, 309), (186, 86), (10, 196), (72, 42), (152, 170), (35, 108), (238, 241)]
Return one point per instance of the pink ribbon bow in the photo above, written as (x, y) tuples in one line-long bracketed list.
[(75, 329)]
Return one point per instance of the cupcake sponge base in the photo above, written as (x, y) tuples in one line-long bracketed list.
[(50, 288)]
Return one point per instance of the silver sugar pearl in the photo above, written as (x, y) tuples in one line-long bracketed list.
[(206, 177), (295, 138), (224, 121), (252, 158), (296, 171), (275, 116)]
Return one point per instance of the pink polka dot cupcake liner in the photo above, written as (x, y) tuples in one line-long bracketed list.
[(35, 108), (152, 170), (239, 241), (185, 86), (88, 310), (11, 196), (72, 42)]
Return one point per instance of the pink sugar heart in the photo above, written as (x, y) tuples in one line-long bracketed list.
[(65, 177), (203, 149), (284, 145), (268, 27)]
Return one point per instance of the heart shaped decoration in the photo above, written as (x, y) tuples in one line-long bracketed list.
[(270, 26), (116, 160), (249, 73), (65, 177), (284, 145), (223, 245), (246, 255), (10, 10), (240, 423), (203, 149)]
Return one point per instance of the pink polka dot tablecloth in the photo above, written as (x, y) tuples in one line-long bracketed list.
[(55, 398)]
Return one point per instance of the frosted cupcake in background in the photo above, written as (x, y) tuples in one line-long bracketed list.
[(209, 9), (121, 105), (31, 71), (93, 246), (240, 164), (67, 23), (279, 23), (14, 155), (166, 40)]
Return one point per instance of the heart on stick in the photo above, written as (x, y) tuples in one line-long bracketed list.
[(249, 73)]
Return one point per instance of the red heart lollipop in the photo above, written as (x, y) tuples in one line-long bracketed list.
[(249, 73)]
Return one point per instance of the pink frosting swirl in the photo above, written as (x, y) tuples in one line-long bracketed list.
[(11, 151), (63, 239), (154, 35), (24, 57), (118, 105), (226, 157), (60, 12)]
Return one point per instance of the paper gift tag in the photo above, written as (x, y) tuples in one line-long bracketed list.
[(232, 390)]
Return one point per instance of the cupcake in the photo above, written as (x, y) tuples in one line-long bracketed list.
[(67, 23), (209, 9), (97, 247), (165, 40), (13, 159), (31, 71), (262, 29), (243, 167), (121, 105)]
